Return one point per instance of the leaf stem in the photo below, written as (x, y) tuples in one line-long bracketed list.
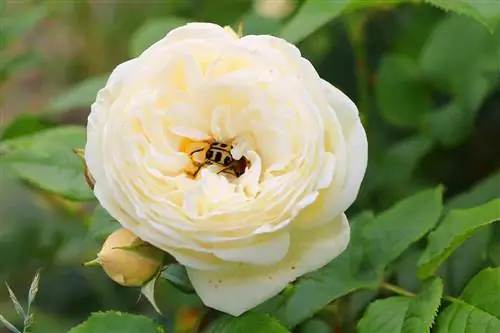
[(403, 292), (395, 289), (452, 299)]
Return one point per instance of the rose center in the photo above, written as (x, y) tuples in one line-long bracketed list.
[(213, 153)]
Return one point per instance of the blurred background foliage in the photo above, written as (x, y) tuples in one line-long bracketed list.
[(426, 82)]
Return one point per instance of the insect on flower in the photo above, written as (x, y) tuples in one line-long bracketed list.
[(219, 154)]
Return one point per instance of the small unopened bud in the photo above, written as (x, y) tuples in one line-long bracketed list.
[(128, 260)]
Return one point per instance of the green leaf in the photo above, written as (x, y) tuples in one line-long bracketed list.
[(152, 31), (449, 125), (252, 322), (403, 314), (478, 308), (176, 274), (400, 161), (345, 274), (495, 253), (254, 24), (486, 12), (464, 262), (315, 326), (454, 122), (17, 24), (314, 14), (484, 191), (102, 224), (386, 315), (394, 230), (310, 17), (449, 61), (117, 322), (45, 159), (456, 227), (81, 95), (402, 96), (15, 63), (25, 124)]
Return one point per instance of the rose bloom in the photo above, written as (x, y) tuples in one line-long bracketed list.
[(242, 239)]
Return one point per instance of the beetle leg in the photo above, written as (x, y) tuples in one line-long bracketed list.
[(226, 169), (195, 151)]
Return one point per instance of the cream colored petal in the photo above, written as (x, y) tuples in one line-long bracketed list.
[(246, 286), (190, 31), (269, 251), (342, 192), (197, 260)]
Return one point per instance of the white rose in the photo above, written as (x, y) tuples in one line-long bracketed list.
[(242, 239)]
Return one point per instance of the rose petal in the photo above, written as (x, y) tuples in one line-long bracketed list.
[(267, 252), (341, 194), (247, 286)]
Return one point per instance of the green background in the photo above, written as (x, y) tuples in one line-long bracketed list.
[(426, 82)]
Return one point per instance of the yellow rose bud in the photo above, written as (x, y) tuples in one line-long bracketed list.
[(128, 260)]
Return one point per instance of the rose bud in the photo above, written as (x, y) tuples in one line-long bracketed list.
[(128, 260)]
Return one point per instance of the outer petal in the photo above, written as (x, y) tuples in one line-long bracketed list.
[(340, 195), (267, 252), (191, 31), (246, 286)]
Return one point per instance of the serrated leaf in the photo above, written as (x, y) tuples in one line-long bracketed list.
[(176, 274), (102, 224), (310, 17), (46, 160), (456, 227), (403, 314), (117, 322), (423, 308), (478, 308), (386, 315), (9, 326), (402, 96), (252, 322), (81, 95), (17, 306), (375, 242), (486, 12), (349, 272), (394, 230), (152, 31)]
